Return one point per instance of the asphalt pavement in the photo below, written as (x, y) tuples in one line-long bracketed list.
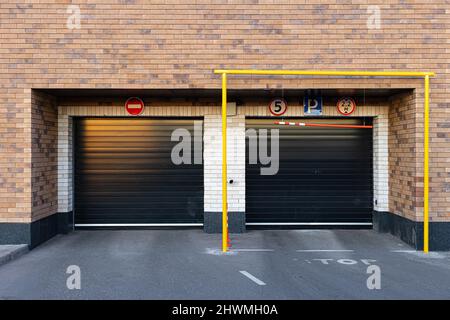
[(262, 264)]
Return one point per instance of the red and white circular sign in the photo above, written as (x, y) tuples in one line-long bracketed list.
[(346, 106), (278, 107), (134, 106)]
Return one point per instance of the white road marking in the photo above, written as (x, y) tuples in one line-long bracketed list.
[(253, 278), (219, 252), (308, 224), (325, 250), (253, 250), (421, 254)]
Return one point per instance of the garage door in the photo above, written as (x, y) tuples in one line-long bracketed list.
[(324, 176), (124, 173)]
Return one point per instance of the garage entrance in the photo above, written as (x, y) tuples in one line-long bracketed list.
[(325, 176), (124, 175)]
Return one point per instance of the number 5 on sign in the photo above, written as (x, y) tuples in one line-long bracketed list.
[(278, 107)]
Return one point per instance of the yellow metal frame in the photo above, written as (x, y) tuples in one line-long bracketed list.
[(413, 74)]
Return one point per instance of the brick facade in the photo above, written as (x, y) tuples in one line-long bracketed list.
[(15, 159), (44, 119), (406, 184), (174, 45)]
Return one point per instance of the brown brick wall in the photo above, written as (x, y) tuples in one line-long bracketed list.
[(404, 181), (15, 155), (174, 44), (44, 134)]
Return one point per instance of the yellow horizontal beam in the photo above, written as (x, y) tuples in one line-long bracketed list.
[(327, 73)]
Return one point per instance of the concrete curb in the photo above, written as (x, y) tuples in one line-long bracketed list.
[(11, 252)]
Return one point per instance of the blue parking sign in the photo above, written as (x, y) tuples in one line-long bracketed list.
[(312, 105)]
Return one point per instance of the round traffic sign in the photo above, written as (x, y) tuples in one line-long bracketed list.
[(346, 106), (278, 107), (134, 106)]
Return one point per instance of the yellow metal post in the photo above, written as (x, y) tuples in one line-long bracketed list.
[(425, 164), (224, 165), (331, 73)]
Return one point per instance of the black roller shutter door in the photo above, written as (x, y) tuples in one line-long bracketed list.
[(124, 173), (325, 175)]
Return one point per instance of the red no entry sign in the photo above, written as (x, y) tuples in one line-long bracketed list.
[(134, 106)]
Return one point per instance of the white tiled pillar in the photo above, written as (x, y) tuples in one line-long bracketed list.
[(64, 162), (380, 164), (213, 168)]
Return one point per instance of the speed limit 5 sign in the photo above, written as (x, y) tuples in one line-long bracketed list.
[(278, 107)]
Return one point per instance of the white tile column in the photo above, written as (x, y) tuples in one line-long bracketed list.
[(380, 164), (213, 163), (213, 169), (64, 162)]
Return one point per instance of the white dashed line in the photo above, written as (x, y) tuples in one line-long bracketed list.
[(253, 250), (325, 250), (253, 278)]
